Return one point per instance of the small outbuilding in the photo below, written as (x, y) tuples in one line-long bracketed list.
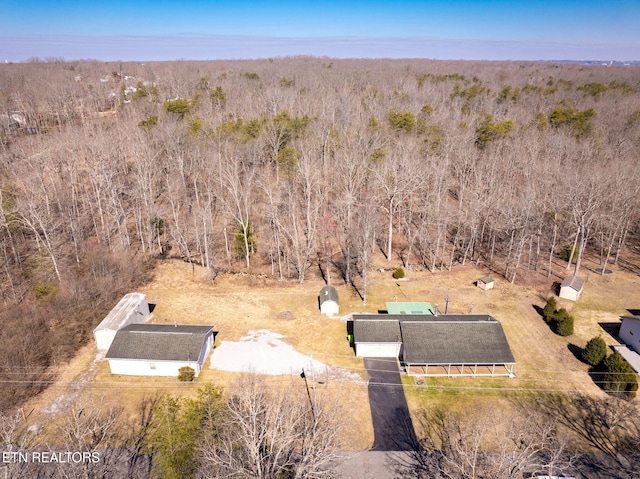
[(328, 299), (571, 288), (133, 308), (409, 308), (159, 349), (486, 283)]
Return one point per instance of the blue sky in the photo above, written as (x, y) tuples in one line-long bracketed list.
[(457, 29)]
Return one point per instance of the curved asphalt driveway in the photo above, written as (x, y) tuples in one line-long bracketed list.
[(392, 426)]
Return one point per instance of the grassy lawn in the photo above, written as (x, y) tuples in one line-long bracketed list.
[(236, 304)]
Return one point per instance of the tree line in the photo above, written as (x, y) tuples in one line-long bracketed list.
[(295, 166)]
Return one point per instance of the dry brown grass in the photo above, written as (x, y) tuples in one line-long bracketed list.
[(236, 304)]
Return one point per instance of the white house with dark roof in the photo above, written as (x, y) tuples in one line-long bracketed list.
[(571, 288), (446, 345), (132, 308), (159, 349)]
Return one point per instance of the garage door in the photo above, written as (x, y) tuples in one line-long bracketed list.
[(377, 350)]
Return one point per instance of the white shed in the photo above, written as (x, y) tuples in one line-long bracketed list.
[(328, 299), (159, 349), (132, 309), (486, 283), (571, 288), (630, 332)]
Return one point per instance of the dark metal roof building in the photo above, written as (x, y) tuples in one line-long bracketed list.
[(159, 342), (445, 345), (455, 339)]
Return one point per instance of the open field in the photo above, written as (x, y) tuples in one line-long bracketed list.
[(236, 304)]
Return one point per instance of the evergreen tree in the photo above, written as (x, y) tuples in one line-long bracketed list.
[(549, 311), (563, 323), (620, 378), (595, 351)]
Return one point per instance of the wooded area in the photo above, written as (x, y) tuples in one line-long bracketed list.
[(297, 166)]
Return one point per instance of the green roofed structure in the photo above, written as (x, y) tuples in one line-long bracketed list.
[(409, 308)]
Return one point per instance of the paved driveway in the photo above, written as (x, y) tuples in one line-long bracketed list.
[(392, 426)]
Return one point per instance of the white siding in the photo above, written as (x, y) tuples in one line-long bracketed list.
[(630, 333), (329, 308), (377, 350), (132, 308), (104, 338), (137, 367), (149, 367), (567, 292)]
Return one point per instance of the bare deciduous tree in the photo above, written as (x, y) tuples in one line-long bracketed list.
[(266, 432), (470, 446)]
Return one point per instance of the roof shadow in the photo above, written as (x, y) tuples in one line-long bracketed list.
[(612, 329)]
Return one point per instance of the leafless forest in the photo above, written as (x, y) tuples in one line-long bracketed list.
[(297, 166)]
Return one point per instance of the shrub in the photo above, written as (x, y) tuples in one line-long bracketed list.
[(566, 252), (398, 273), (43, 290), (186, 374), (595, 351), (560, 321), (620, 378), (563, 323), (149, 122), (549, 310)]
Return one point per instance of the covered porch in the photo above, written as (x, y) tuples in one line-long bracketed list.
[(460, 370)]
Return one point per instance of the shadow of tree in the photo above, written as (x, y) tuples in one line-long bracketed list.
[(576, 351), (537, 309), (610, 425)]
